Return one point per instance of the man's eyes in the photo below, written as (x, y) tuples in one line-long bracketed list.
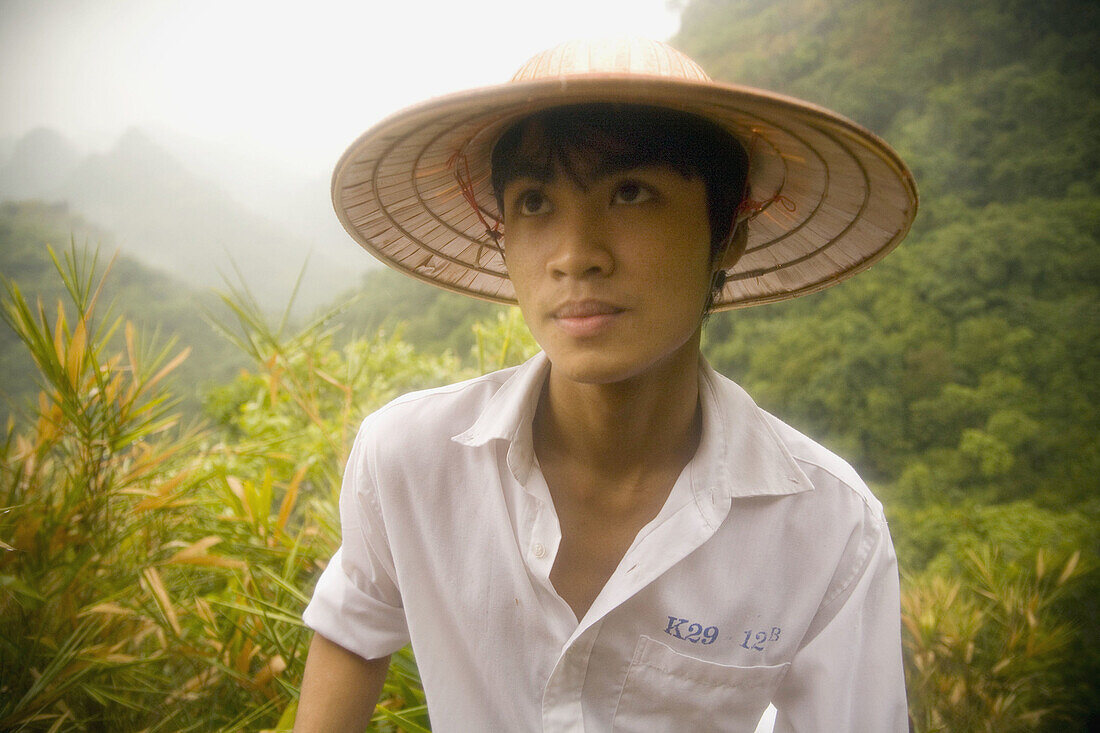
[(533, 203), (632, 192)]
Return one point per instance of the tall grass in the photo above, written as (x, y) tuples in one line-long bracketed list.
[(152, 576), (90, 490), (983, 650)]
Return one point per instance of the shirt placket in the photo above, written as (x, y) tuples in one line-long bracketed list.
[(676, 536), (562, 711), (543, 540)]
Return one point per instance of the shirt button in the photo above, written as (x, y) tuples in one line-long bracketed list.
[(540, 551)]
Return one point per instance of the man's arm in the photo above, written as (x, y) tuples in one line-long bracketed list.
[(340, 689)]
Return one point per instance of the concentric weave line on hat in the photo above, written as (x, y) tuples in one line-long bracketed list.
[(834, 198)]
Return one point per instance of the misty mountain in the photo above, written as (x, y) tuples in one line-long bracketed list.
[(37, 164), (177, 221), (296, 200)]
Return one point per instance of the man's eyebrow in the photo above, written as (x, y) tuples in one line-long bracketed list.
[(595, 172), (613, 167), (532, 171)]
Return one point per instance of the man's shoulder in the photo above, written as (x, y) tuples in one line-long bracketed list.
[(828, 473), (820, 464), (440, 411)]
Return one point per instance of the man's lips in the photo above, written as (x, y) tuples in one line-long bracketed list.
[(585, 309), (585, 317)]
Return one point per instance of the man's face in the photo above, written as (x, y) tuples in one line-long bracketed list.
[(611, 273)]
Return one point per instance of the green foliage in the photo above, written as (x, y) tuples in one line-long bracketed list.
[(989, 101), (938, 538), (971, 355), (307, 394), (503, 342)]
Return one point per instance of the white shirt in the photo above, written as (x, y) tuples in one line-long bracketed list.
[(768, 576)]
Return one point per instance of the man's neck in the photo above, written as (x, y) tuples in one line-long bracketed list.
[(623, 430)]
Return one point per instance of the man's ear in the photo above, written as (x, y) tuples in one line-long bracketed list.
[(735, 246)]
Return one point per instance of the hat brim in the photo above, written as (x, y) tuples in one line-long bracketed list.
[(834, 198)]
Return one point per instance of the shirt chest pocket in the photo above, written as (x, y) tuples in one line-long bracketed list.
[(665, 690)]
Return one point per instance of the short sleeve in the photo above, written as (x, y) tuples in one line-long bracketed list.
[(357, 601)]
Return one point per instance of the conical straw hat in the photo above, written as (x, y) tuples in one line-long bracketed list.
[(831, 198)]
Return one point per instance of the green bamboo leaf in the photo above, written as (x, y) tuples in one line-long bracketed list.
[(402, 719)]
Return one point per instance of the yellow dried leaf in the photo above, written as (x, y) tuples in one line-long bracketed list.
[(332, 380), (112, 609), (156, 585), (60, 327), (152, 502), (196, 549), (215, 561), (244, 656), (187, 689), (131, 351), (203, 611), (236, 487), (291, 497), (74, 364), (167, 368), (120, 658), (1071, 565), (165, 488), (274, 380), (957, 692), (275, 666)]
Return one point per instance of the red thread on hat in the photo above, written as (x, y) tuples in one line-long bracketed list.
[(754, 207), (751, 206), (460, 165)]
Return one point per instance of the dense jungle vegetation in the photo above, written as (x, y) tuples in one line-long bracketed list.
[(162, 528)]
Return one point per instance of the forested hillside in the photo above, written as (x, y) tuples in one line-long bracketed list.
[(985, 323), (158, 304), (965, 366)]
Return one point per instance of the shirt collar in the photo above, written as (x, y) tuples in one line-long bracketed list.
[(739, 455), (509, 413)]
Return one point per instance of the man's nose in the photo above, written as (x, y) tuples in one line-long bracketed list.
[(581, 247)]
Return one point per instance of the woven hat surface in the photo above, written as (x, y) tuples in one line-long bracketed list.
[(829, 197)]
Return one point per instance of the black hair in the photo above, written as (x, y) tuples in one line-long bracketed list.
[(588, 140)]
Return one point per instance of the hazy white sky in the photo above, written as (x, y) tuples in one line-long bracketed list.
[(298, 80)]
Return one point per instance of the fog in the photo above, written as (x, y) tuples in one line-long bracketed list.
[(201, 135), (293, 83)]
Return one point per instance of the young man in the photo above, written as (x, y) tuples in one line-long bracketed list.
[(612, 536)]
